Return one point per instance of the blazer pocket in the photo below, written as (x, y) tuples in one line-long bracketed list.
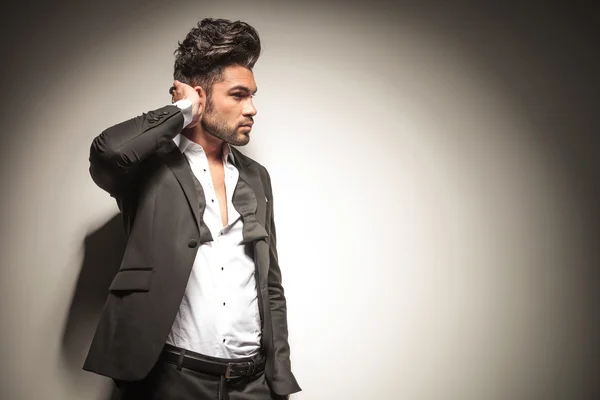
[(132, 280)]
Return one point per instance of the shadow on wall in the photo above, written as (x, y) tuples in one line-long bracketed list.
[(104, 251)]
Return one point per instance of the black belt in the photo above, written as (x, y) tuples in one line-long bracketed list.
[(195, 362)]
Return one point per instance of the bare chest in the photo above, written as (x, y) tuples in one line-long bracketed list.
[(217, 173)]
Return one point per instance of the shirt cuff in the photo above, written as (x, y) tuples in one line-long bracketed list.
[(185, 105)]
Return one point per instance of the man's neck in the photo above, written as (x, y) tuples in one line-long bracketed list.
[(212, 146)]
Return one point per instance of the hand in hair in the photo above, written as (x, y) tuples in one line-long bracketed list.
[(181, 91)]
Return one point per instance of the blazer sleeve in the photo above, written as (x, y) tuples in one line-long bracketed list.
[(117, 154)]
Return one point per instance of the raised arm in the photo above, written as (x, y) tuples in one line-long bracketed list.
[(117, 153)]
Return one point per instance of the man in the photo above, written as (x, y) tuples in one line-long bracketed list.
[(196, 310)]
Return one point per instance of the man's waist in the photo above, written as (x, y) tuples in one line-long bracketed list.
[(229, 368)]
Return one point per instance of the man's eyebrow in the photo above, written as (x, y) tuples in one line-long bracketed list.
[(242, 88)]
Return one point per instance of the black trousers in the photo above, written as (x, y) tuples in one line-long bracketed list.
[(166, 382)]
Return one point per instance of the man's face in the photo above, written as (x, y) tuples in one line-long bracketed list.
[(229, 116)]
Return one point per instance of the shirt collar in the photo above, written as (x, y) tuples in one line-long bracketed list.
[(186, 144)]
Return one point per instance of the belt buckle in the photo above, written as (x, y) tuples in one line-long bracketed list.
[(229, 370)]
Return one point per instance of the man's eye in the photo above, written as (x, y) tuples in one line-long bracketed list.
[(238, 95)]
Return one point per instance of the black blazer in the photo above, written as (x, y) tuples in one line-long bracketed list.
[(162, 204)]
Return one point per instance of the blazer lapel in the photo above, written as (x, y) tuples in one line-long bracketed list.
[(178, 164), (249, 200), (251, 177)]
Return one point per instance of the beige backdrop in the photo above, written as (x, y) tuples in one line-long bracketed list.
[(441, 156)]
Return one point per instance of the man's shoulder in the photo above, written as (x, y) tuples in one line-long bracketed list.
[(246, 161)]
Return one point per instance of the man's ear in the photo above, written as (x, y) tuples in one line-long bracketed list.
[(202, 95)]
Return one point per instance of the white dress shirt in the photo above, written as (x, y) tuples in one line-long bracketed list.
[(219, 314)]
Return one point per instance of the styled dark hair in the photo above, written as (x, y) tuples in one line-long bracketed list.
[(211, 46)]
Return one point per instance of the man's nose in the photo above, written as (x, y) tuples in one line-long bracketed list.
[(249, 109)]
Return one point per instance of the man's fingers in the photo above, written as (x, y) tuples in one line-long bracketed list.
[(176, 85)]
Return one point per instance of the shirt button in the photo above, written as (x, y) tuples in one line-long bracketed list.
[(223, 340), (192, 243), (223, 303)]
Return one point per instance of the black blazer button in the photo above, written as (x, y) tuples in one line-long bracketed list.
[(192, 243)]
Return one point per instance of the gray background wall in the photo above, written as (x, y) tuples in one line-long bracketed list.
[(444, 156)]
